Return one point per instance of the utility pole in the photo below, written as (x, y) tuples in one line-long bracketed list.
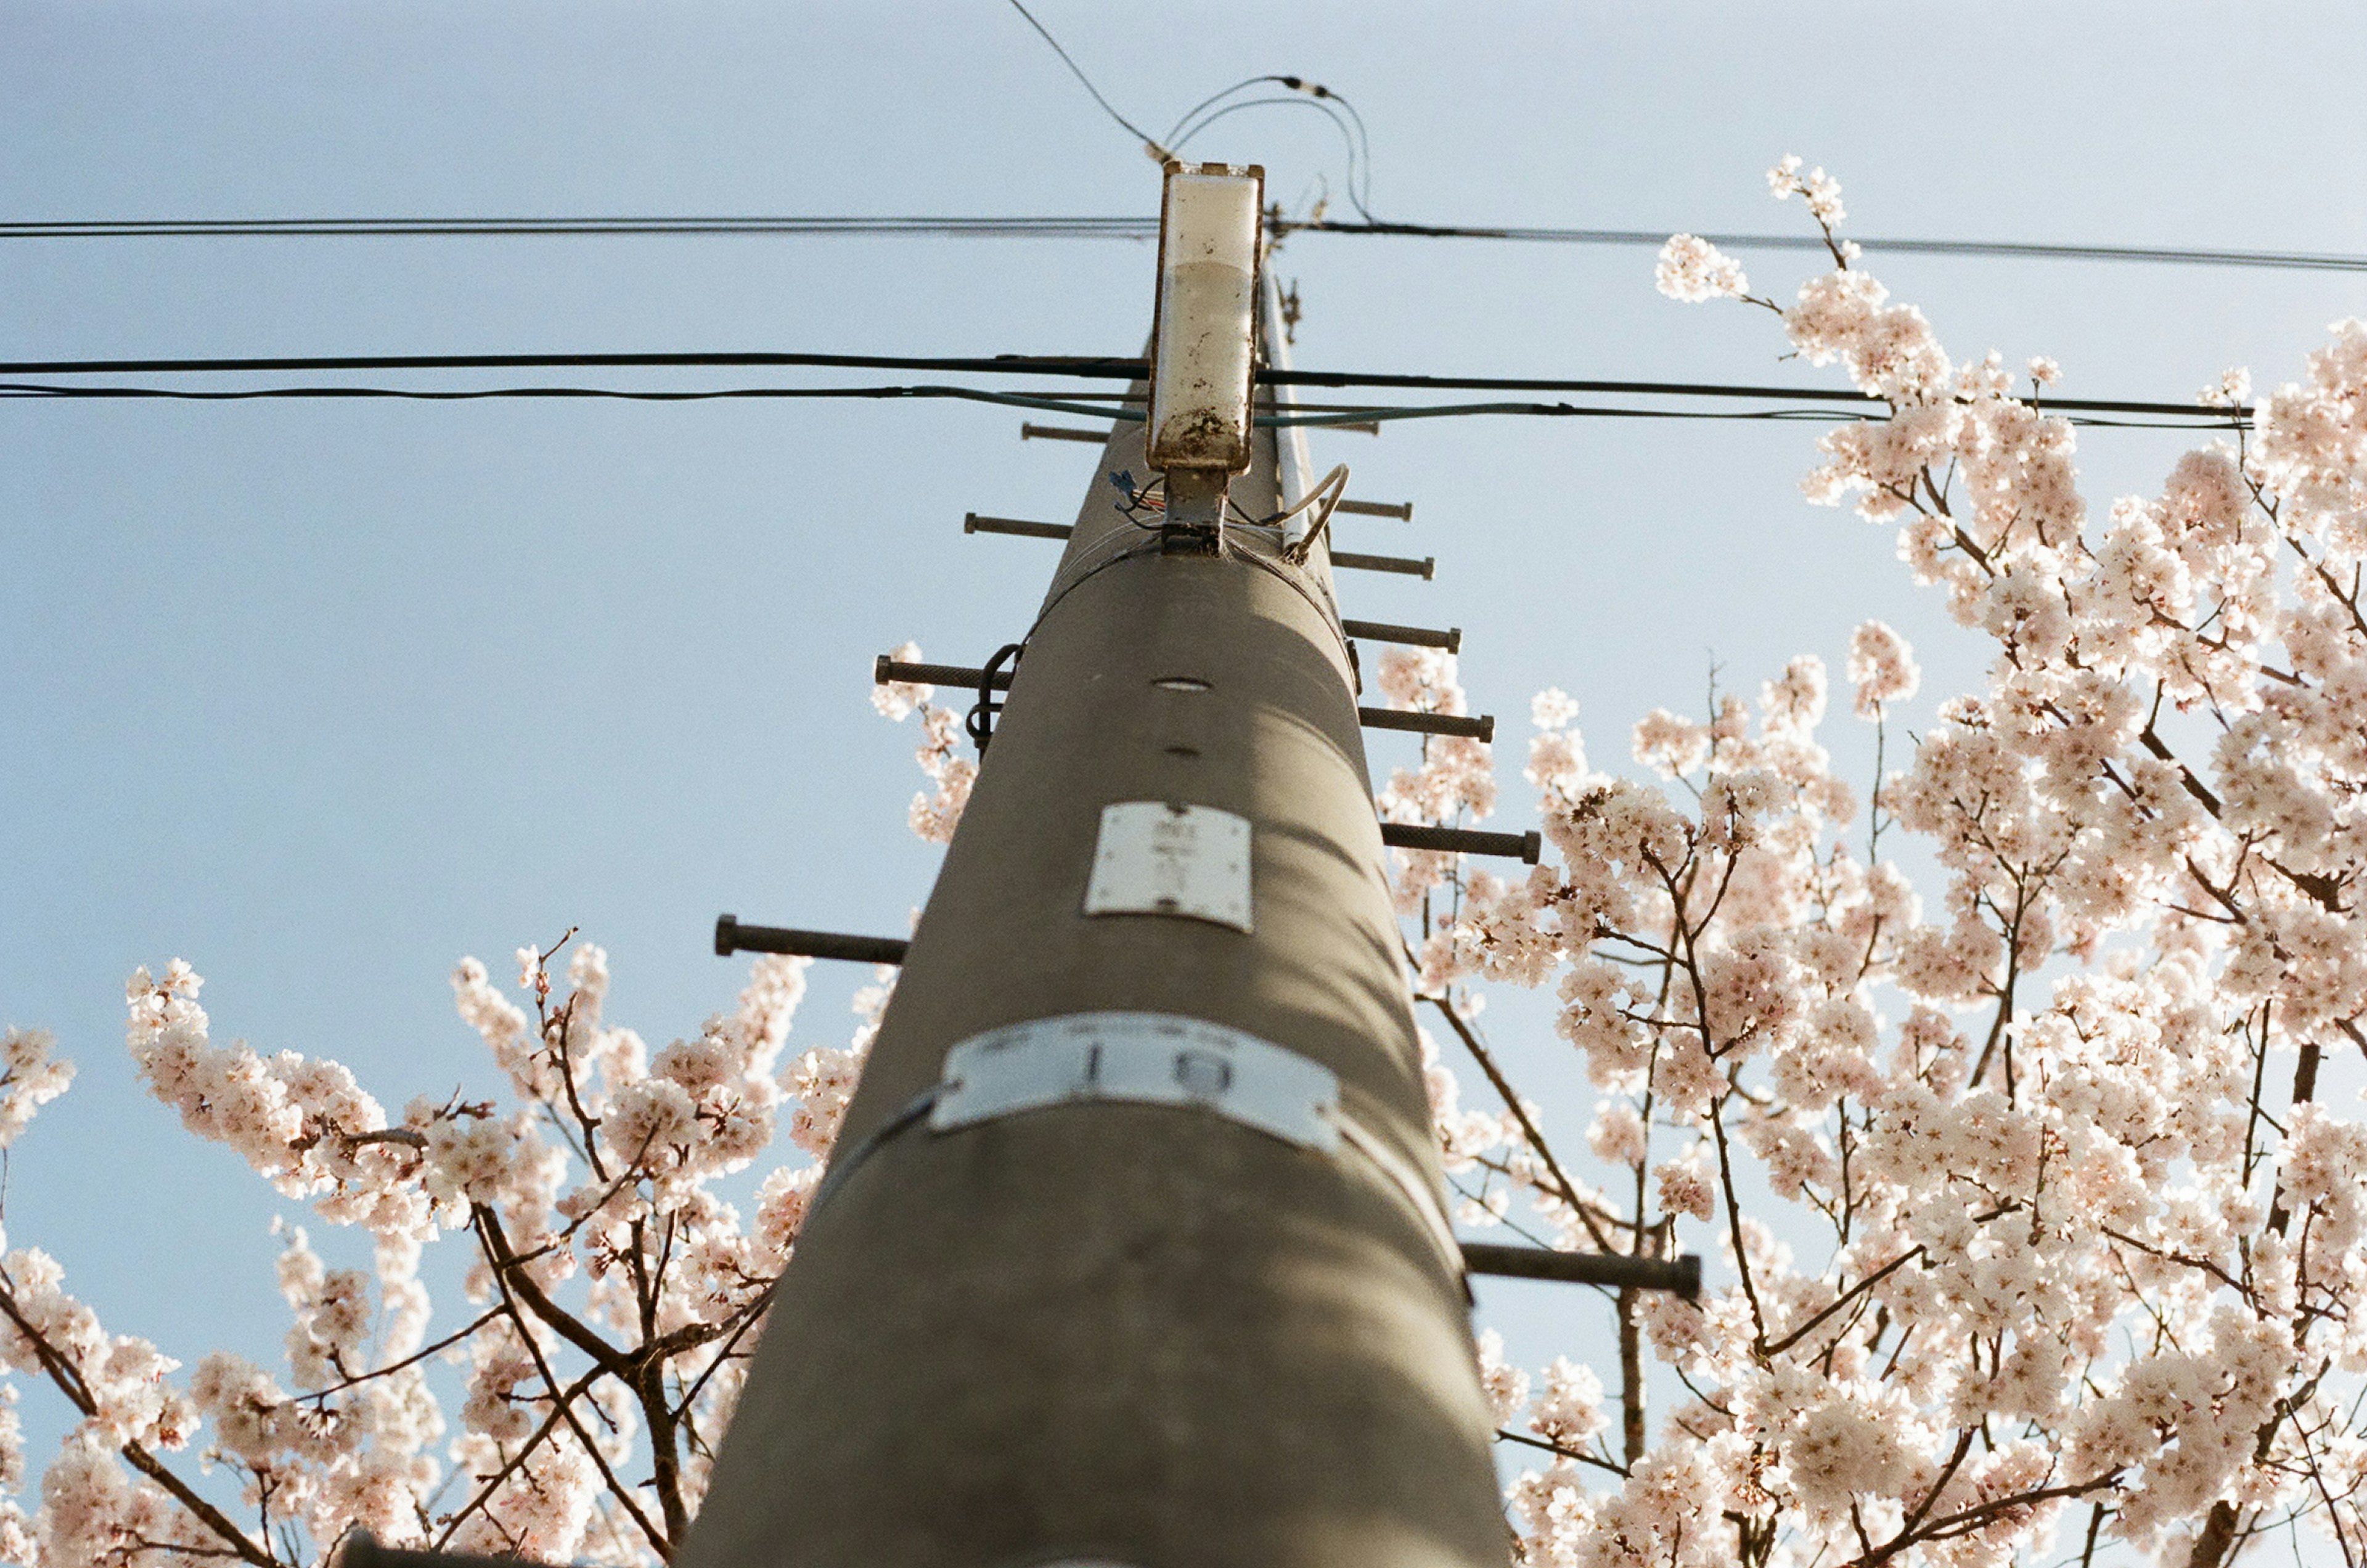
[(1133, 1251), (1133, 1248)]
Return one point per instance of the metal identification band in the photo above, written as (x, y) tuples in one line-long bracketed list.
[(1157, 1058), (1151, 1059)]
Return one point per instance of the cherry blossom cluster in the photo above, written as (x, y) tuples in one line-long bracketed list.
[(613, 1297), (935, 812), (1693, 270), (2035, 1236)]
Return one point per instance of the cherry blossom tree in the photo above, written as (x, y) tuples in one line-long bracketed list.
[(2040, 1242), (613, 1297), (2035, 1238)]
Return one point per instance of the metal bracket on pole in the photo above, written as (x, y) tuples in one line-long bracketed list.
[(1471, 727), (980, 724), (1681, 1275), (886, 671), (732, 937), (1195, 522), (1061, 433), (1525, 847), (1402, 511), (973, 522), (1426, 568), (1450, 640), (1403, 566)]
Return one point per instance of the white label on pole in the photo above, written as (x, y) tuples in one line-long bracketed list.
[(1158, 857), (1150, 1058)]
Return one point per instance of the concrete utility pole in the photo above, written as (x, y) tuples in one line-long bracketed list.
[(1134, 1249)]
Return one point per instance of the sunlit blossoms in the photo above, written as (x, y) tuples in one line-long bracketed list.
[(613, 1300), (1692, 270), (1820, 191), (936, 814), (2041, 1233), (29, 1078), (1882, 667)]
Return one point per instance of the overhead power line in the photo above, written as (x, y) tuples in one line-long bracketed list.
[(1089, 228), (623, 394), (1092, 367), (2190, 419), (234, 228), (1082, 366), (1150, 146), (2022, 249)]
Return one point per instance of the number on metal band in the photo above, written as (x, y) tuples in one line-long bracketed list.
[(1149, 1058)]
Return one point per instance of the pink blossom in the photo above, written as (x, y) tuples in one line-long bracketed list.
[(1692, 270)]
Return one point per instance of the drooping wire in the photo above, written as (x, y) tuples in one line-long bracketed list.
[(1184, 121), (1316, 95), (1360, 164), (1356, 198), (1326, 497), (1158, 154), (1283, 101)]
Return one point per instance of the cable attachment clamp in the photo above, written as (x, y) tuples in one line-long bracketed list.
[(991, 678)]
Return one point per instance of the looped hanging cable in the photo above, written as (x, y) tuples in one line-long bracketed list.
[(1315, 96), (980, 722)]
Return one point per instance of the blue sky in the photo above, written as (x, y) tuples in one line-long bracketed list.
[(323, 696)]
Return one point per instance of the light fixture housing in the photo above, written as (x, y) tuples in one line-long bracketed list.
[(1203, 333)]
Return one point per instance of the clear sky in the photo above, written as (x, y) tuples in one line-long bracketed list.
[(321, 696)]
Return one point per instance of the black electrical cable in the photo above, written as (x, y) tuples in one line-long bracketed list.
[(268, 228), (1176, 132), (1337, 123), (2190, 418), (1154, 148), (1699, 390), (22, 389), (1107, 368), (2190, 255), (1124, 229), (1082, 366), (1316, 97), (1286, 101), (1362, 136)]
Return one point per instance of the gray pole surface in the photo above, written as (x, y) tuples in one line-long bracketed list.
[(1109, 1332)]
